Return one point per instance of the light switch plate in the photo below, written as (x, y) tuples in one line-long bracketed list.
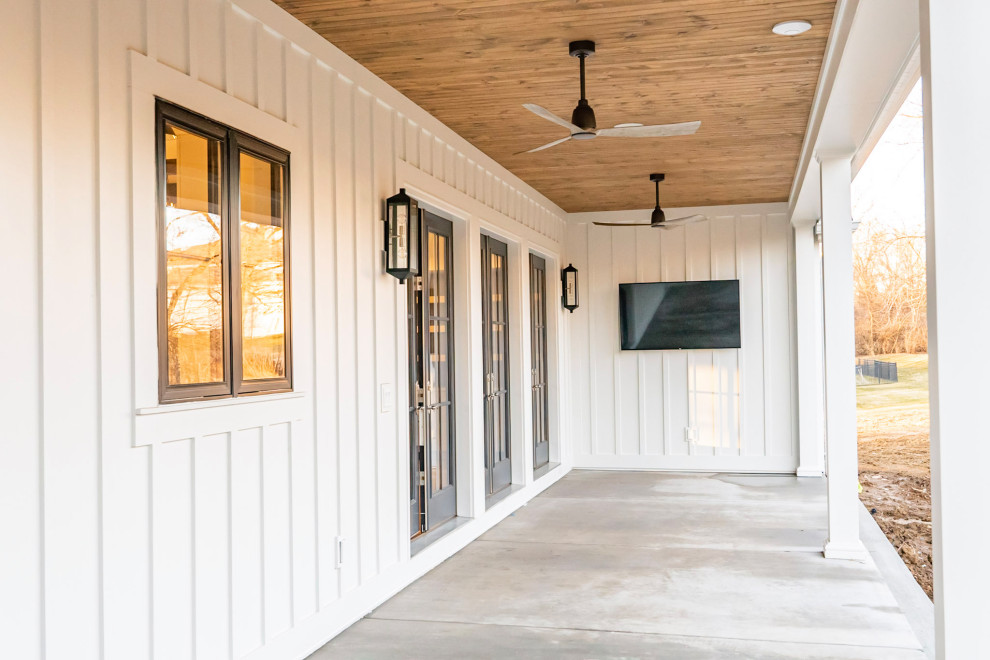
[(387, 398)]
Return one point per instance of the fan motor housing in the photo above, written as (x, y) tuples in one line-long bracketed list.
[(584, 116)]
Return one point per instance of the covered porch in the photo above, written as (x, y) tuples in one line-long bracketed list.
[(643, 564), (464, 452)]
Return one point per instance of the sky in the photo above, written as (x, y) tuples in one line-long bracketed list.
[(890, 187)]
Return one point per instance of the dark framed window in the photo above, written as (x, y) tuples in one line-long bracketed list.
[(223, 260)]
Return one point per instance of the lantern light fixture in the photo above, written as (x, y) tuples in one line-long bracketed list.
[(402, 236), (569, 292)]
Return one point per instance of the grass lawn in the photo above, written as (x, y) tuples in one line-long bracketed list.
[(894, 461), (910, 390), (892, 418)]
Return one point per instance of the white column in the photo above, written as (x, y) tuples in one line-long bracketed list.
[(840, 359), (955, 52), (807, 267)]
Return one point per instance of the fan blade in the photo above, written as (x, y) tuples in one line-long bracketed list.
[(622, 224), (660, 130), (546, 146), (546, 114), (678, 222)]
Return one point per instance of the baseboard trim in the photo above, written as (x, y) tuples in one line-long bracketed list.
[(755, 464), (847, 550)]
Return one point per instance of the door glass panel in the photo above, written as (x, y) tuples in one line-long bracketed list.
[(539, 366), (193, 268), (262, 267), (433, 276), (438, 400), (441, 276), (443, 363)]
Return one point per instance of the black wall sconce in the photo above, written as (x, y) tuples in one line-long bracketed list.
[(401, 236), (569, 294)]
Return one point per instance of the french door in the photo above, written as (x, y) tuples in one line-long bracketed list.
[(538, 342), (495, 346), (431, 380)]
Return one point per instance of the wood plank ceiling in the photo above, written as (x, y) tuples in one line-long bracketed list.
[(473, 63)]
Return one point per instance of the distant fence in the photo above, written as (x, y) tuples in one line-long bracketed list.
[(880, 371)]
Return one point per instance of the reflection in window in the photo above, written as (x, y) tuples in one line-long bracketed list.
[(223, 268), (262, 268), (194, 268)]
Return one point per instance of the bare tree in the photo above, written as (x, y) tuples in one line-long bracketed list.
[(891, 296)]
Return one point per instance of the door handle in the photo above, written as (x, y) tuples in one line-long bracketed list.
[(421, 426)]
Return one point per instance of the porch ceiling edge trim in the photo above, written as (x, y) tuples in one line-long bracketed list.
[(291, 28), (845, 11), (448, 199), (895, 97)]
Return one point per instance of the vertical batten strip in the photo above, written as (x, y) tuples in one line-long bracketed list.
[(741, 366), (333, 526), (355, 275), (261, 536), (192, 31), (347, 432), (765, 323), (589, 304), (617, 358), (792, 384), (150, 30), (229, 455), (293, 520), (71, 443), (228, 30), (374, 260), (399, 323)]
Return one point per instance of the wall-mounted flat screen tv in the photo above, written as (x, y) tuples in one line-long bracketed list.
[(672, 315)]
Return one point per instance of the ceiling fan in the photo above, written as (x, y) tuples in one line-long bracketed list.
[(659, 218), (582, 124)]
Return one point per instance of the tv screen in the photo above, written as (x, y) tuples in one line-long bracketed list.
[(669, 315)]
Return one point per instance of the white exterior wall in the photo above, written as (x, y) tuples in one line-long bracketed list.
[(132, 530), (631, 408)]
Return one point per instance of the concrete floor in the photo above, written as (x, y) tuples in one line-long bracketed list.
[(646, 565)]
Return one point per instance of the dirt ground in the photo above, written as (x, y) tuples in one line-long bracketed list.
[(894, 473)]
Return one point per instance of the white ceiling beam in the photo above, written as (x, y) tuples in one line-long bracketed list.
[(870, 57)]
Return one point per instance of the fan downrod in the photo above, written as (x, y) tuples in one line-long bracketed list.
[(583, 115), (658, 217)]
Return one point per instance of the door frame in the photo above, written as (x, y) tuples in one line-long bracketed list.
[(465, 454), (541, 363), (470, 217), (421, 412), (509, 412)]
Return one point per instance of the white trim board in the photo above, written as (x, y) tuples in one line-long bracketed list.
[(151, 80), (722, 464)]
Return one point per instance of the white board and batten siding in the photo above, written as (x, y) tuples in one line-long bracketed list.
[(133, 530), (633, 409)]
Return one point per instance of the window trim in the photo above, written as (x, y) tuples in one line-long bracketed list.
[(233, 142)]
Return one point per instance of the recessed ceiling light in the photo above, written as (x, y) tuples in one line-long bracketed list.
[(629, 125), (791, 28)]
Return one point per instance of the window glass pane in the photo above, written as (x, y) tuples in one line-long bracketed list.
[(261, 223), (193, 267)]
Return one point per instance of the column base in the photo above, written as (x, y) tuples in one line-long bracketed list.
[(803, 471), (848, 550)]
